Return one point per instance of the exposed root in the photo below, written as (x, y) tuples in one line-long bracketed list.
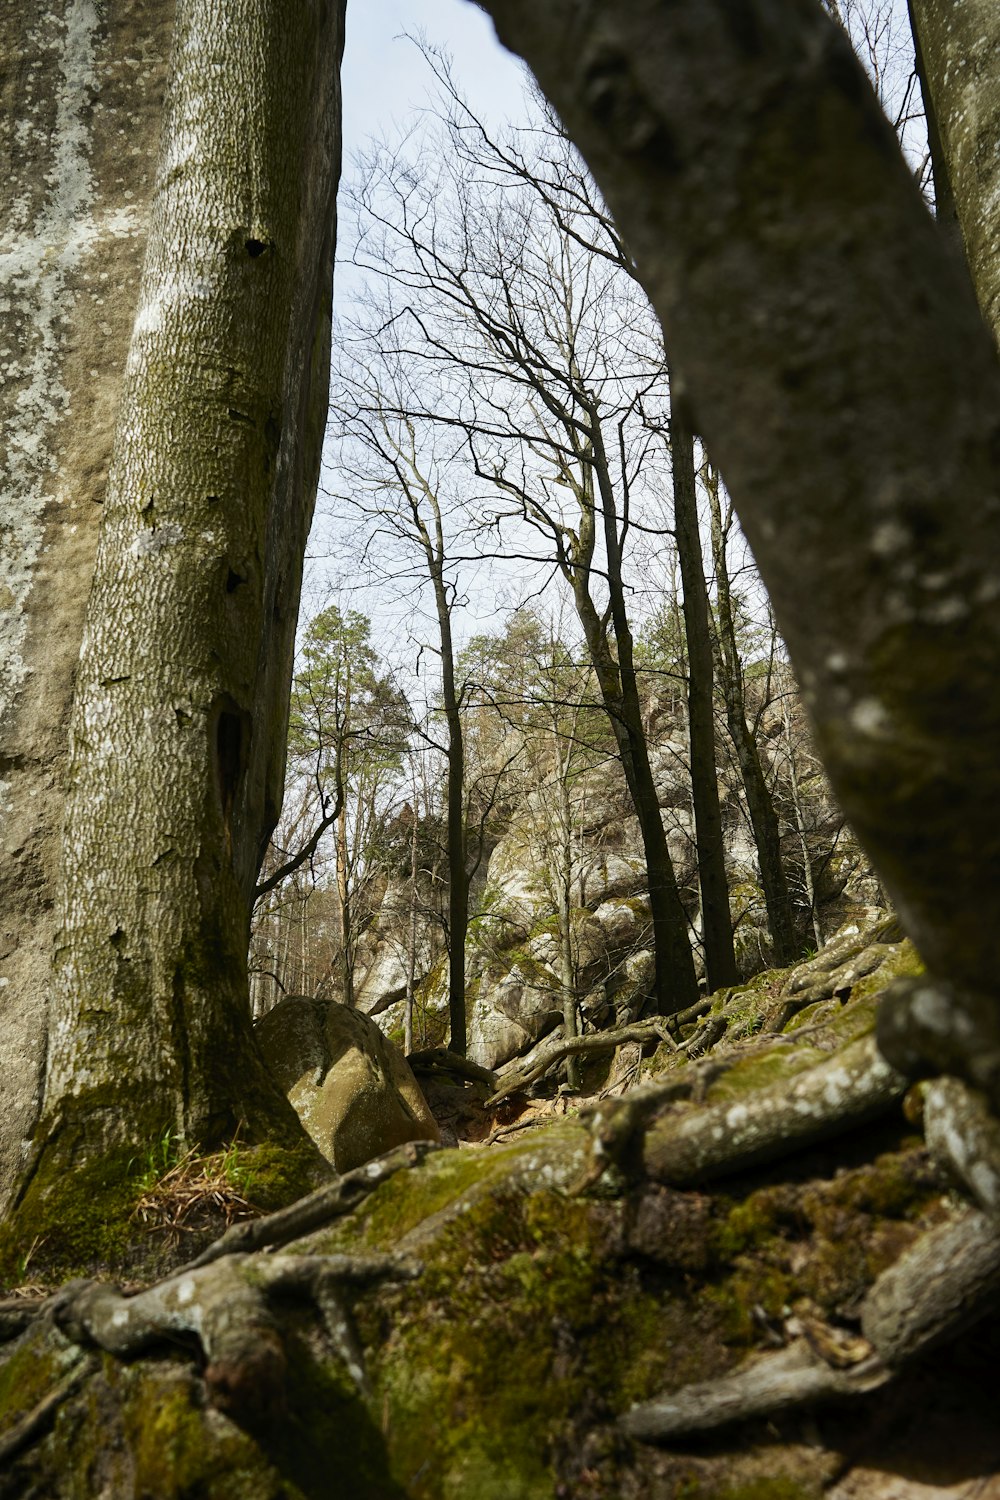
[(40, 1418), (227, 1309), (792, 1377), (928, 1027), (685, 1149), (948, 1280), (331, 1201), (656, 1029), (16, 1313), (964, 1135)]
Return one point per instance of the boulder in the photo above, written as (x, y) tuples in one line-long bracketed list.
[(351, 1087)]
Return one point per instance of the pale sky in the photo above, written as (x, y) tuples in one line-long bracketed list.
[(384, 78)]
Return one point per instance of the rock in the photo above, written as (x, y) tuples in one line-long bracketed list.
[(512, 1011), (351, 1087)]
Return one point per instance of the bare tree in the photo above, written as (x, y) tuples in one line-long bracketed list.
[(540, 363)]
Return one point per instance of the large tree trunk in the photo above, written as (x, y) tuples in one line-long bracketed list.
[(850, 398), (74, 208), (179, 720), (959, 54), (717, 926)]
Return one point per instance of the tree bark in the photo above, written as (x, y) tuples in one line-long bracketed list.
[(839, 371), (717, 926), (958, 48), (180, 712), (760, 803), (675, 982)]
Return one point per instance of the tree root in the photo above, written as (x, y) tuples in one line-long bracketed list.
[(792, 1377), (42, 1415), (948, 1280), (226, 1308), (928, 1027), (333, 1200), (964, 1134), (656, 1029), (687, 1149)]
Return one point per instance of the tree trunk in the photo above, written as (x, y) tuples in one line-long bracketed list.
[(675, 983), (873, 516), (958, 46), (717, 926), (180, 711), (563, 881), (760, 803), (458, 878)]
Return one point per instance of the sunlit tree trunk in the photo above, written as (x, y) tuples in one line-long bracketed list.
[(180, 711), (959, 53)]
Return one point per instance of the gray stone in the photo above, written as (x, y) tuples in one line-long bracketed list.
[(351, 1087)]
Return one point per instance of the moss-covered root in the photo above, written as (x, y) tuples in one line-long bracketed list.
[(927, 1026), (78, 1216), (793, 1377), (319, 1208), (963, 1133), (946, 1281), (227, 1307), (854, 1086)]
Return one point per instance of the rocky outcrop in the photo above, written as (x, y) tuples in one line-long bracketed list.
[(514, 996), (350, 1085)]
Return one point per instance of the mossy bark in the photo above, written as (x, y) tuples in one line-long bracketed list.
[(178, 730)]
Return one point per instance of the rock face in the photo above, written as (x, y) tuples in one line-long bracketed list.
[(351, 1087), (77, 84), (513, 987)]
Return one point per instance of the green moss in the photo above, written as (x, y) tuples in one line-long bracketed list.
[(505, 1341), (904, 960), (177, 1450), (763, 1070), (73, 1218), (273, 1176), (325, 1421), (78, 1216), (775, 1488), (36, 1364)]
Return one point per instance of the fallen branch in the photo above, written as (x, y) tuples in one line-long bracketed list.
[(654, 1030), (441, 1060)]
